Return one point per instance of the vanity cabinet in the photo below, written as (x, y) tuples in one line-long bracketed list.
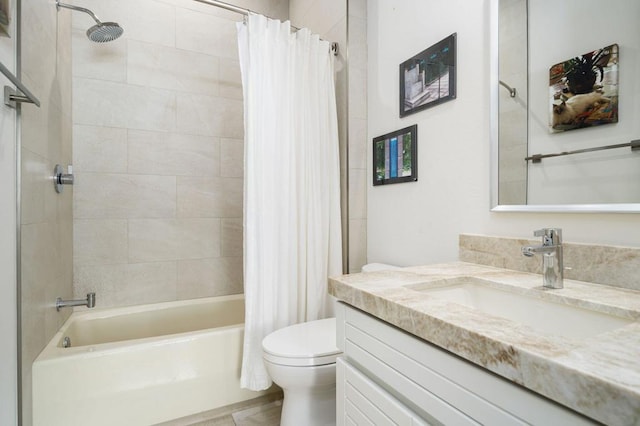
[(387, 377)]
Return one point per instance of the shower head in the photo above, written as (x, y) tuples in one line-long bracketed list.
[(102, 32)]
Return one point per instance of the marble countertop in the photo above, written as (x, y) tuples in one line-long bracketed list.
[(597, 375)]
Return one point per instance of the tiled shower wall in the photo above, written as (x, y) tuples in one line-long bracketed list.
[(45, 216), (358, 140), (158, 152)]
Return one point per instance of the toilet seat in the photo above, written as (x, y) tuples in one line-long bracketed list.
[(306, 344)]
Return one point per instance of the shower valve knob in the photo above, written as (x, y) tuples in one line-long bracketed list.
[(60, 178)]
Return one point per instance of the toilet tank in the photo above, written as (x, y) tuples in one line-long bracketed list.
[(372, 267)]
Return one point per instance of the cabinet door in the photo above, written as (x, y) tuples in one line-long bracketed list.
[(437, 385), (362, 402)]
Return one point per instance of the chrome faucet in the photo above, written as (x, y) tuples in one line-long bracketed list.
[(89, 302), (551, 251)]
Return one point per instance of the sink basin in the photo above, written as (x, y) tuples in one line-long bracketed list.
[(543, 315)]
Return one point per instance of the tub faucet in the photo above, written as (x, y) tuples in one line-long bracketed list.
[(89, 302), (551, 251)]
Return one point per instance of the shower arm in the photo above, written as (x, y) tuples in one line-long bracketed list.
[(79, 9)]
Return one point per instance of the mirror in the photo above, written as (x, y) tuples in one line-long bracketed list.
[(551, 147)]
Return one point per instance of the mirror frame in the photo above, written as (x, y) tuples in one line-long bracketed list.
[(494, 146)]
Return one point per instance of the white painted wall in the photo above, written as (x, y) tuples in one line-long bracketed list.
[(418, 223), (8, 314)]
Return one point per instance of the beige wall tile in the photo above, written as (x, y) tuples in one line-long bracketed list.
[(175, 154), (359, 145), (232, 158), (230, 79), (103, 280), (319, 16), (35, 174), (35, 135), (204, 33), (135, 177), (39, 258), (45, 240), (102, 61), (111, 104), (357, 244), (210, 197), (146, 20), (39, 48), (357, 9), (170, 68), (104, 195), (357, 93), (153, 240), (213, 277), (143, 20), (299, 8), (357, 42), (99, 242), (99, 149), (127, 284), (64, 248), (209, 115), (232, 237), (357, 194)]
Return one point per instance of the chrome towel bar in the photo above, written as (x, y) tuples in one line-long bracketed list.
[(11, 96), (537, 158)]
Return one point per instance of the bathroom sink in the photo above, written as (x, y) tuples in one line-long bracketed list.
[(546, 316)]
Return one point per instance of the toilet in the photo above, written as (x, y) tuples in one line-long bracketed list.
[(301, 359)]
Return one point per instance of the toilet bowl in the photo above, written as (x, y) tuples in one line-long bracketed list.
[(301, 359)]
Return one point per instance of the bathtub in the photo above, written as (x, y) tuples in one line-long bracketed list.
[(142, 365)]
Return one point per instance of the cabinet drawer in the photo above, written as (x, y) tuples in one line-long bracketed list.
[(366, 403)]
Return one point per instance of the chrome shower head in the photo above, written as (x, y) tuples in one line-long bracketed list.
[(102, 32)]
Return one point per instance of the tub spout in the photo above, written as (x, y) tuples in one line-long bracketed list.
[(89, 302)]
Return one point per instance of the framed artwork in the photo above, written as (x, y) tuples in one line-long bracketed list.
[(583, 91), (428, 78), (395, 156), (5, 14)]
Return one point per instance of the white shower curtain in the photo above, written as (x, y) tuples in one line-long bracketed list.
[(292, 234)]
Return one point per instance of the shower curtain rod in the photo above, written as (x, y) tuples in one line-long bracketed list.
[(246, 12)]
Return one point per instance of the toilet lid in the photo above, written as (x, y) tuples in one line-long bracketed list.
[(305, 344)]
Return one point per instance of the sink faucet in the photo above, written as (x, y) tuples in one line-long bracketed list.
[(551, 251)]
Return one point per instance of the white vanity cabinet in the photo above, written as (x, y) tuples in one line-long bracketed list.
[(389, 377)]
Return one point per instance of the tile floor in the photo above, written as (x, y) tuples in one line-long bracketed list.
[(263, 411)]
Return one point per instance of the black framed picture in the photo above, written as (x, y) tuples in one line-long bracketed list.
[(429, 78), (395, 156)]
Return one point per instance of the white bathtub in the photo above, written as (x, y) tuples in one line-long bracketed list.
[(142, 365)]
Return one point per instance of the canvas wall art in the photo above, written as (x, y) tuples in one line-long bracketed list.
[(583, 91)]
